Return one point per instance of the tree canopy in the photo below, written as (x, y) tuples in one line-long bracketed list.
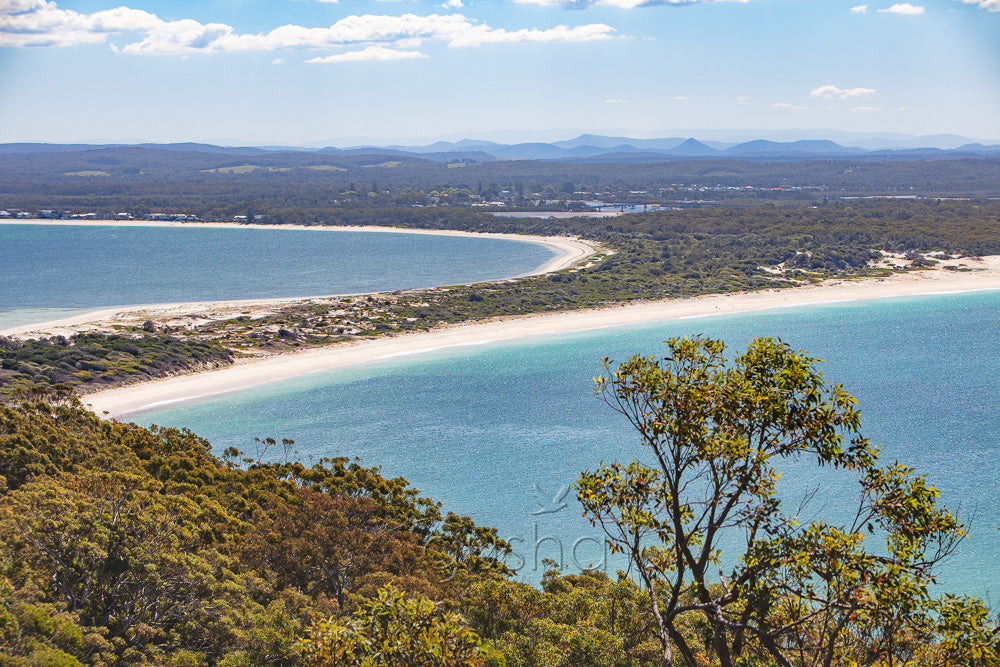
[(815, 593)]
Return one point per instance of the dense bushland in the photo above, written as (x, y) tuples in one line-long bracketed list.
[(123, 545), (92, 361)]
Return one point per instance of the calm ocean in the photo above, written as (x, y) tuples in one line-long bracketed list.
[(499, 431), (52, 271)]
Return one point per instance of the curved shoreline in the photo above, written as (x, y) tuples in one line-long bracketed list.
[(136, 398), (570, 251)]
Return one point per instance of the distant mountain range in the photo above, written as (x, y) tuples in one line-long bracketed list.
[(584, 148)]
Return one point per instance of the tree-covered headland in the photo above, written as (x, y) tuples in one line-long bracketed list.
[(122, 545)]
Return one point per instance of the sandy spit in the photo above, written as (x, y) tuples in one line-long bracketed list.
[(128, 400)]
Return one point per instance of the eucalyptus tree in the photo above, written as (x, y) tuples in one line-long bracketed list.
[(791, 591)]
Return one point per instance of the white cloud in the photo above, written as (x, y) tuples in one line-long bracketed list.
[(452, 4), (613, 101), (992, 5), (862, 109), (477, 35), (21, 6), (903, 8), (278, 61), (842, 93), (371, 54), (743, 99), (784, 106), (860, 9), (41, 23), (679, 98), (621, 4)]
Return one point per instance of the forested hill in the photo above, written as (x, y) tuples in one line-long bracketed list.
[(121, 545)]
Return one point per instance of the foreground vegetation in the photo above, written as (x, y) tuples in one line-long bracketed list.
[(818, 592), (121, 545)]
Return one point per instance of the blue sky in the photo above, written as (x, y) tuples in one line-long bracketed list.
[(309, 71)]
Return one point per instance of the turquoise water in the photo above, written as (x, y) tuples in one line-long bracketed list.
[(48, 271), (479, 427)]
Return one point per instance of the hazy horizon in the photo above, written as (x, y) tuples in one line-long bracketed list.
[(721, 136)]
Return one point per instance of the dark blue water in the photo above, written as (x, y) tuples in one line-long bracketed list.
[(480, 428), (47, 271)]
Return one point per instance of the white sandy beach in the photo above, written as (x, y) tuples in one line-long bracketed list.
[(127, 400)]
